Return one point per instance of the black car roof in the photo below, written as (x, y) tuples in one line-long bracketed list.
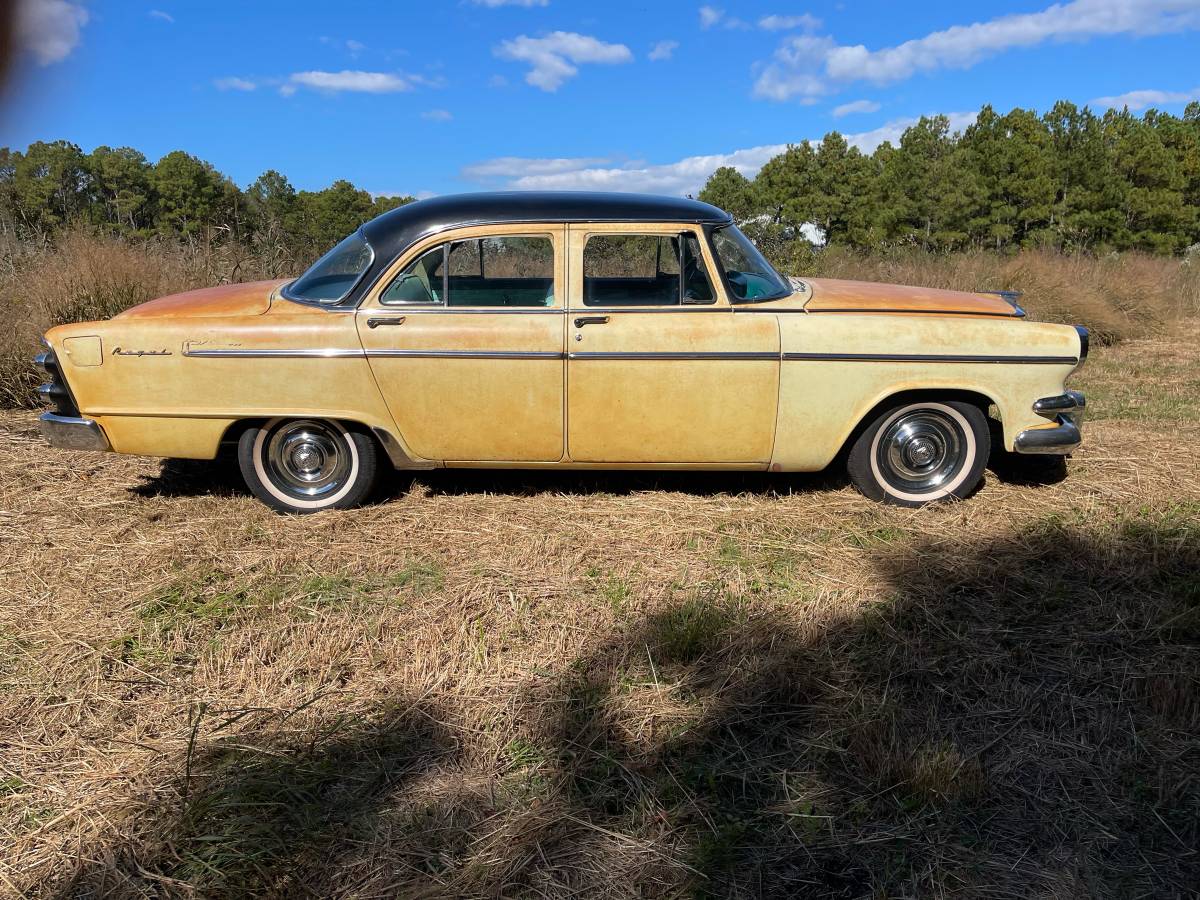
[(396, 230)]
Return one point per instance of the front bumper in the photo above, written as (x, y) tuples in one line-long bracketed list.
[(71, 433), (1064, 434)]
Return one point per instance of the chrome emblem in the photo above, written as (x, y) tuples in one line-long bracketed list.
[(117, 351)]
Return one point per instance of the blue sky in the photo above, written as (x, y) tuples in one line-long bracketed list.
[(452, 95)]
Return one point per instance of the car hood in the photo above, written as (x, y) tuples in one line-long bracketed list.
[(836, 295), (250, 299)]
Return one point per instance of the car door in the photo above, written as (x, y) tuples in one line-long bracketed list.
[(465, 339), (660, 370)]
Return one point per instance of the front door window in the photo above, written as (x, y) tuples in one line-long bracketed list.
[(644, 270)]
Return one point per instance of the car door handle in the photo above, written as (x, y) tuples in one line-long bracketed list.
[(389, 320), (591, 320)]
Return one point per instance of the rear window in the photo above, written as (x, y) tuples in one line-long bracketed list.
[(332, 277)]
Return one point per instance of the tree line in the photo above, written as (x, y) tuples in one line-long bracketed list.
[(1068, 179), (52, 185)]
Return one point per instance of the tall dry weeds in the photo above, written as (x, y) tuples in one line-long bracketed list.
[(1118, 297), (87, 277)]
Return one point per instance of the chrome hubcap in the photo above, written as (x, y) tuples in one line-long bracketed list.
[(307, 459), (921, 451)]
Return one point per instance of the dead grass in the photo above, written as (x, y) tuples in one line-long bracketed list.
[(616, 685)]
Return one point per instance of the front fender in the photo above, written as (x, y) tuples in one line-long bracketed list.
[(838, 368)]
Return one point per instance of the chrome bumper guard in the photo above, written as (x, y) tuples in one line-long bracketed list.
[(1064, 436)]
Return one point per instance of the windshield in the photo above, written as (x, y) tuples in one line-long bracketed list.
[(334, 275), (747, 274)]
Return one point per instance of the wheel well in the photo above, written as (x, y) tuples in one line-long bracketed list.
[(985, 404), (235, 431)]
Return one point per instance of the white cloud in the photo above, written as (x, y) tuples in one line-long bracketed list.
[(1143, 99), (858, 106), (163, 16), (710, 16), (555, 58), (347, 80), (494, 3), (234, 84), (437, 115), (518, 166), (662, 50), (867, 141), (685, 176), (49, 29), (787, 23), (808, 67)]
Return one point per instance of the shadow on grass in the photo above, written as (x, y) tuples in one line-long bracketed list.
[(220, 477), (194, 478), (1014, 716)]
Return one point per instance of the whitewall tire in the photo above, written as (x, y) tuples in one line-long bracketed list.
[(307, 465), (921, 452)]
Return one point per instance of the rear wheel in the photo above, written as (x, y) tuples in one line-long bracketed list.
[(919, 453), (307, 465)]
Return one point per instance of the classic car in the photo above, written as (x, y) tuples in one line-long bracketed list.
[(580, 330)]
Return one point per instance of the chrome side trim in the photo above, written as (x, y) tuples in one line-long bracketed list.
[(70, 433), (666, 310), (323, 353), (732, 355), (931, 358), (464, 311), (466, 354), (372, 354), (926, 312)]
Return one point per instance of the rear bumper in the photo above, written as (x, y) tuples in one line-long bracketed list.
[(1064, 434), (70, 433)]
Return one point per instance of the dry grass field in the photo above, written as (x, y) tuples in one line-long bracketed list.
[(611, 684)]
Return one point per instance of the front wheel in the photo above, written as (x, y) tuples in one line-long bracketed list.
[(919, 453), (307, 465)]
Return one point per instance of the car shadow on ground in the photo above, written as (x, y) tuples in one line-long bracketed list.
[(221, 477), (1016, 715)]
